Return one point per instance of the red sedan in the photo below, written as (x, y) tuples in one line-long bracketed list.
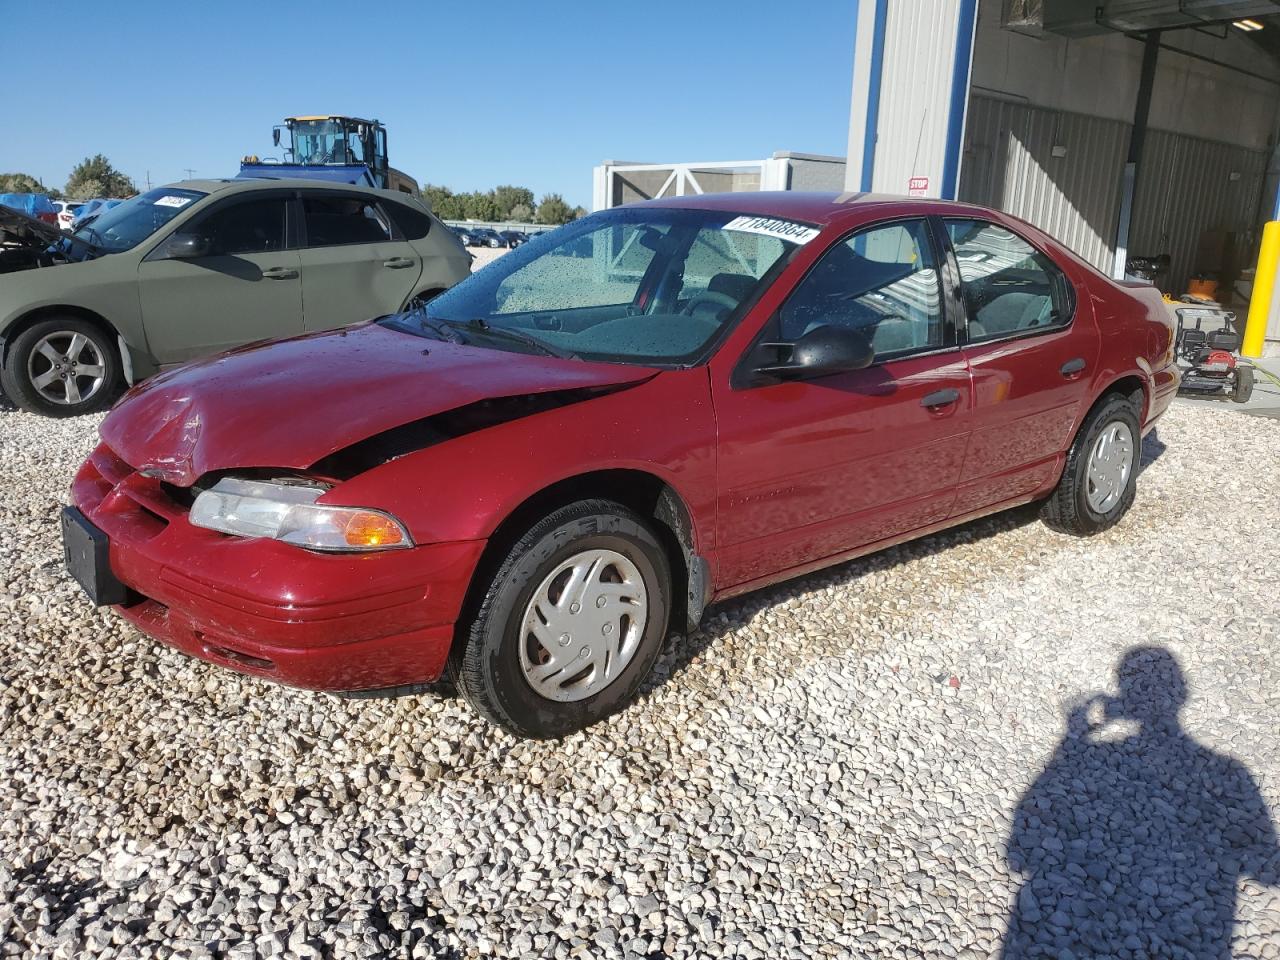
[(534, 478)]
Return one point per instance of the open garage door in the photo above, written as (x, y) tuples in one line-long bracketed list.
[(1197, 200)]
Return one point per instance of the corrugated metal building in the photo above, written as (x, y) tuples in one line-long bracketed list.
[(617, 182), (1198, 199), (1030, 106)]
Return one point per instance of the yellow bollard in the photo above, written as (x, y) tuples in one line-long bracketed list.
[(1264, 279)]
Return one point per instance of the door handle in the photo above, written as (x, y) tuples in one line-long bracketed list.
[(940, 398), (280, 273), (1072, 368), (398, 263)]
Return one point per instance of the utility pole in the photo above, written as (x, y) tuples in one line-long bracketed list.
[(188, 171), (148, 179)]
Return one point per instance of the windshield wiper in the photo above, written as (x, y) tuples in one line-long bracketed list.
[(441, 328), (482, 326)]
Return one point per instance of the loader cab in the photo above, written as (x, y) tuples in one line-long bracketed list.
[(337, 141)]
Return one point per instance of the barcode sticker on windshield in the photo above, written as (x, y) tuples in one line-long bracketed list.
[(173, 201), (782, 229)]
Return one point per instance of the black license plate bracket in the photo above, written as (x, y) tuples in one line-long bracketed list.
[(86, 550)]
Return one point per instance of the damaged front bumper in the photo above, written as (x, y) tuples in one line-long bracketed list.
[(339, 622)]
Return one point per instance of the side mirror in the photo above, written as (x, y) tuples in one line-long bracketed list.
[(275, 136), (823, 350), (187, 246)]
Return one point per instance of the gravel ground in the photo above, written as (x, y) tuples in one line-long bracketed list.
[(895, 758)]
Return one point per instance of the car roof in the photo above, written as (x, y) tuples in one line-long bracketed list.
[(247, 184), (820, 208)]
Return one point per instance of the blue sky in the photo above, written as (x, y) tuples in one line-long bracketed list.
[(474, 94)]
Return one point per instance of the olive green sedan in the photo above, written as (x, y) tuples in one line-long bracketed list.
[(201, 266)]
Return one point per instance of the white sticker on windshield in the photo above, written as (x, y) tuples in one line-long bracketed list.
[(167, 201), (796, 233)]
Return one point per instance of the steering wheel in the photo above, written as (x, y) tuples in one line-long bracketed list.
[(710, 296)]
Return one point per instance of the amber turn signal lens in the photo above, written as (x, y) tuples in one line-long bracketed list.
[(372, 530)]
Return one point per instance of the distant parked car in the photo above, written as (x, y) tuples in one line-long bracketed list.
[(67, 212), (477, 236), (491, 238), (512, 238), (91, 208), (202, 266)]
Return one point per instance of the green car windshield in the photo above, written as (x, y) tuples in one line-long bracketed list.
[(641, 285), (128, 224)]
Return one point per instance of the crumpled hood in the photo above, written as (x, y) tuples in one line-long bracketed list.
[(293, 402), (19, 227)]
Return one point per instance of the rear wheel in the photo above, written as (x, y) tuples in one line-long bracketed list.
[(1099, 480), (61, 367), (1243, 388), (570, 622)]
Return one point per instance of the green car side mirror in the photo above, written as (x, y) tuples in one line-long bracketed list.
[(187, 246)]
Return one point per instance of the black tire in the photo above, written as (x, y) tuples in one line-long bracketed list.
[(1067, 508), (1243, 388), (23, 356), (487, 667)]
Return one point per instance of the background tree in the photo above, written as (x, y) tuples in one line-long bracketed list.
[(445, 204), (507, 198), (23, 183), (480, 206), (504, 203), (554, 210), (96, 177), (437, 198), (579, 212)]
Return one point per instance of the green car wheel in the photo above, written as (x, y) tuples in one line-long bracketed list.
[(61, 367)]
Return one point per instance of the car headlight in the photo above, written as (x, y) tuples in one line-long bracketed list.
[(289, 512)]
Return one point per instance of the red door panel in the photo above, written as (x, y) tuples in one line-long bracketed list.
[(813, 469), (1032, 350), (1025, 412)]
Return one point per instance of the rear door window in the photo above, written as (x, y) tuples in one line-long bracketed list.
[(413, 224), (336, 221), (1010, 287)]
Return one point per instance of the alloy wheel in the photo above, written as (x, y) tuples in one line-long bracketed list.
[(66, 367)]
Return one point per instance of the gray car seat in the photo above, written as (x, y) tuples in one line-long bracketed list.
[(1010, 312)]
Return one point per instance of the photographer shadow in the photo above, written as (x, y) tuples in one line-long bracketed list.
[(1132, 841)]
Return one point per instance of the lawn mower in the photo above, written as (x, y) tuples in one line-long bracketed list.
[(1208, 337), (1206, 345)]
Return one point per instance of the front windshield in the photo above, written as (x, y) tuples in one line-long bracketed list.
[(127, 224), (319, 141), (644, 285)]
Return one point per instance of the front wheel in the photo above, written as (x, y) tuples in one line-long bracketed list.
[(1099, 480), (1243, 388), (61, 367), (570, 623)]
